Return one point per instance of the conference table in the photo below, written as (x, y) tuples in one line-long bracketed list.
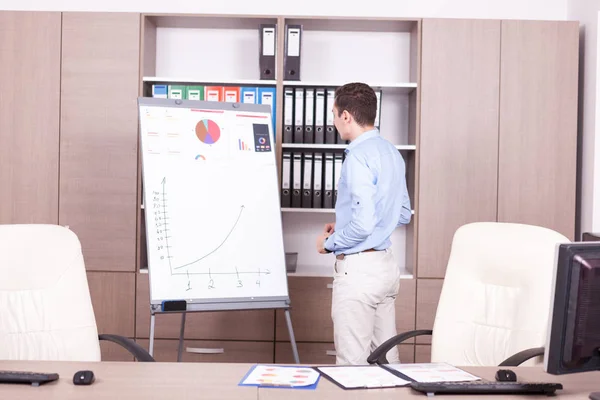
[(179, 381)]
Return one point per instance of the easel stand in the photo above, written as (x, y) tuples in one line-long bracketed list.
[(168, 308), (176, 210)]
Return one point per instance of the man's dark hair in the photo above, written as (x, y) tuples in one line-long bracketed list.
[(359, 100)]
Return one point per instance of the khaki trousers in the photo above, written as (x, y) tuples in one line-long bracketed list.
[(365, 288)]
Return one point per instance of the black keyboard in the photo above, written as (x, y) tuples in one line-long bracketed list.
[(485, 387), (33, 378)]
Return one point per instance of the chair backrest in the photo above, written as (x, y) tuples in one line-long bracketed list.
[(45, 306), (496, 295)]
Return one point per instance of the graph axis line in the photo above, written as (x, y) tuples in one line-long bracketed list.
[(267, 272), (164, 181)]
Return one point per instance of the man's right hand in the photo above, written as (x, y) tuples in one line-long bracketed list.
[(329, 228)]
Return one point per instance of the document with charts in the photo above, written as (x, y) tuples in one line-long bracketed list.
[(282, 376)]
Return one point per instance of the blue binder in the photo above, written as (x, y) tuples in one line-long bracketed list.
[(266, 95)]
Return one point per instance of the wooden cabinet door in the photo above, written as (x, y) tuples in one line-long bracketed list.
[(29, 116), (258, 325), (538, 124), (211, 351), (459, 134), (99, 135), (113, 299)]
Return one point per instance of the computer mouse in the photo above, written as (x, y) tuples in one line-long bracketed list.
[(84, 377), (506, 375)]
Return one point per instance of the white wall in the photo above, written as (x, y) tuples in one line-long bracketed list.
[(508, 9), (586, 11)]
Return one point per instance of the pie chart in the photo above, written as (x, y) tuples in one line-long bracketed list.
[(208, 131)]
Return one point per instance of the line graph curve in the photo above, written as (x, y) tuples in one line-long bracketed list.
[(220, 244)]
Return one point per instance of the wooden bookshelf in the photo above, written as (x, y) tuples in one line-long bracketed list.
[(395, 73)]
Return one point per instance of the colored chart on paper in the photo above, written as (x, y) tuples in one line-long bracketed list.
[(208, 131), (243, 145), (281, 376)]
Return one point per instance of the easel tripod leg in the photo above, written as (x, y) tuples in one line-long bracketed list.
[(151, 345), (288, 318), (181, 332)]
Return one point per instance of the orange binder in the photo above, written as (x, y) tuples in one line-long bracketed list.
[(213, 93), (232, 94)]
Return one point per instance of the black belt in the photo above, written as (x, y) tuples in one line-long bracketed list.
[(342, 256)]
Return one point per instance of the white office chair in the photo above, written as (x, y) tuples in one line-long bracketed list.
[(496, 297), (45, 306)]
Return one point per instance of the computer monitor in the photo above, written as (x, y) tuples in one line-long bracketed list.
[(573, 343)]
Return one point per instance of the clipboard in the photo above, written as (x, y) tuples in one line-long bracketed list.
[(350, 377)]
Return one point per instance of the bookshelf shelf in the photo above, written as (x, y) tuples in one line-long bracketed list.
[(221, 47), (315, 210), (325, 271), (189, 80), (309, 210), (386, 87), (335, 146)]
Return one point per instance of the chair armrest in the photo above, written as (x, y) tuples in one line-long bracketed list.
[(135, 349), (378, 355), (517, 359)]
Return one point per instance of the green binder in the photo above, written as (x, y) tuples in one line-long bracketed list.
[(195, 92), (177, 92)]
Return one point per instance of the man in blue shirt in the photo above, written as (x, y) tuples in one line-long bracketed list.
[(372, 201)]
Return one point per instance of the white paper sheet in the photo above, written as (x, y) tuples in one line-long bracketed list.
[(433, 372), (363, 377)]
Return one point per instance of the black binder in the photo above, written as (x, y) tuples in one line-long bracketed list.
[(268, 45), (330, 131), (299, 115), (337, 173), (378, 93), (286, 176), (293, 44), (297, 180), (328, 197), (288, 116), (309, 115), (307, 181), (317, 180), (319, 116)]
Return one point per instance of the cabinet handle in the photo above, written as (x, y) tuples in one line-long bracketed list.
[(201, 350), (330, 353), (330, 286)]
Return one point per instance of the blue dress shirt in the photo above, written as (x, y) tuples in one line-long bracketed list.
[(372, 198)]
